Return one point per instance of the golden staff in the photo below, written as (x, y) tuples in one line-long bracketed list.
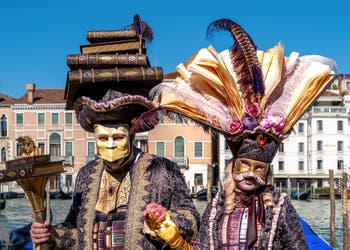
[(32, 173)]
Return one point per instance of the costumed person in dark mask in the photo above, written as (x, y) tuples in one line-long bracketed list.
[(253, 98), (114, 192)]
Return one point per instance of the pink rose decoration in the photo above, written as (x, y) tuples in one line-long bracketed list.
[(252, 109), (275, 122), (236, 126)]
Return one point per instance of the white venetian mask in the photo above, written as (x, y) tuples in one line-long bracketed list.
[(113, 142)]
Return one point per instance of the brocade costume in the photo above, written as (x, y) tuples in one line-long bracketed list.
[(281, 229), (153, 179), (253, 98)]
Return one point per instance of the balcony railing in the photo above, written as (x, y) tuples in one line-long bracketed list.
[(68, 160), (320, 109), (182, 162)]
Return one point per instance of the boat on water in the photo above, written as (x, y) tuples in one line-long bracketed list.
[(60, 195), (314, 241), (202, 194), (2, 204), (301, 195), (12, 195)]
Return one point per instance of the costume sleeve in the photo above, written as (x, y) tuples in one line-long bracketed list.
[(183, 211), (290, 231)]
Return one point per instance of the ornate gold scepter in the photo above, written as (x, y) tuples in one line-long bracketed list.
[(31, 172)]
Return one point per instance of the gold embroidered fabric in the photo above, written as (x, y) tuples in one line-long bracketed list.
[(114, 191)]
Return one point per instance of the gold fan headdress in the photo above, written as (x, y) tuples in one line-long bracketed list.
[(241, 91)]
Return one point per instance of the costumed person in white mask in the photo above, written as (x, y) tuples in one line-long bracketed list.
[(253, 98), (114, 192)]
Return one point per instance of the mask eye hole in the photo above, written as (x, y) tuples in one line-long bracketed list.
[(259, 167), (103, 138), (243, 166), (117, 138)]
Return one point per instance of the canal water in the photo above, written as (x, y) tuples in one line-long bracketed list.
[(316, 212)]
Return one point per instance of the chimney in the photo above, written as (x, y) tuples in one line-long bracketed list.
[(30, 92)]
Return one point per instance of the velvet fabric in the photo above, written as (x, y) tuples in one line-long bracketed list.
[(153, 179), (282, 229)]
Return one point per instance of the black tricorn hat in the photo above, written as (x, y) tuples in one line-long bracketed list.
[(117, 108)]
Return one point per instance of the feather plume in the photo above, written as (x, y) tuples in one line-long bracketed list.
[(143, 30), (210, 75), (180, 98), (145, 122), (244, 59)]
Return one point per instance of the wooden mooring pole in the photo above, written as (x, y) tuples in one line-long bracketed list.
[(332, 204), (345, 211)]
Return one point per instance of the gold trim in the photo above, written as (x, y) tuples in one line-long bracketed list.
[(133, 231), (91, 199)]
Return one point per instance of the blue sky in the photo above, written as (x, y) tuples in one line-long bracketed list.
[(37, 35)]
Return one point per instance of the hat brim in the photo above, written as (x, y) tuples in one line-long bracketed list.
[(126, 109)]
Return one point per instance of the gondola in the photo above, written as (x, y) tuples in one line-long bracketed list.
[(301, 195)]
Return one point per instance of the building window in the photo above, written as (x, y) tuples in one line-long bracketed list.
[(55, 144), (19, 119), (90, 150), (161, 119), (18, 148), (198, 179), (198, 149), (319, 125), (144, 146), (41, 145), (301, 165), (340, 164), (68, 148), (3, 126), (3, 154), (340, 146), (179, 147), (160, 148), (300, 127), (280, 165), (319, 146), (54, 118), (319, 164), (68, 117), (301, 147), (227, 161), (227, 148), (178, 119), (340, 126), (281, 148), (348, 85), (41, 118)]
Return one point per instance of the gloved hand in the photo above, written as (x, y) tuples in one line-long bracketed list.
[(167, 231)]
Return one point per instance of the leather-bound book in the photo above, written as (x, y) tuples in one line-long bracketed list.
[(97, 60), (116, 74), (122, 46), (95, 82), (97, 36)]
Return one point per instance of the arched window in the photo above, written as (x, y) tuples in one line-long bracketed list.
[(55, 144), (3, 132), (179, 146), (3, 154)]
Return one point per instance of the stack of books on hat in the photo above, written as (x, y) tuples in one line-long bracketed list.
[(113, 59)]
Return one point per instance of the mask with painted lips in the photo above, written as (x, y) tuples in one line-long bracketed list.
[(249, 174), (113, 142)]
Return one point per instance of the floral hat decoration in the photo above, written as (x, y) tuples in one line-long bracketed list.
[(253, 97)]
